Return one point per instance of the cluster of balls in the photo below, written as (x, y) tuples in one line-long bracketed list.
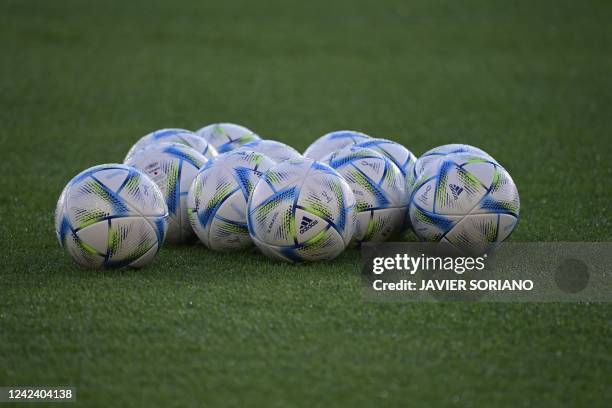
[(231, 189)]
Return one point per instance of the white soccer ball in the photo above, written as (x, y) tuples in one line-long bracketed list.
[(398, 154), (301, 210), (181, 136), (172, 166), (227, 136), (433, 156), (378, 186), (217, 199), (333, 141), (272, 149), (466, 200), (111, 216)]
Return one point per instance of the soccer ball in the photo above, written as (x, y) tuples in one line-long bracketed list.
[(466, 200), (333, 141), (433, 156), (217, 199), (111, 216), (274, 150), (301, 210), (227, 136), (378, 186), (398, 154), (174, 136), (172, 166)]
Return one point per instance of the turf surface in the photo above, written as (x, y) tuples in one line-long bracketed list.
[(80, 82)]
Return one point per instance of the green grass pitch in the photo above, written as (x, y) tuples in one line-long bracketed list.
[(530, 82)]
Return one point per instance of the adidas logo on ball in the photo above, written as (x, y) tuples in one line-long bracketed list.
[(456, 190), (306, 224)]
